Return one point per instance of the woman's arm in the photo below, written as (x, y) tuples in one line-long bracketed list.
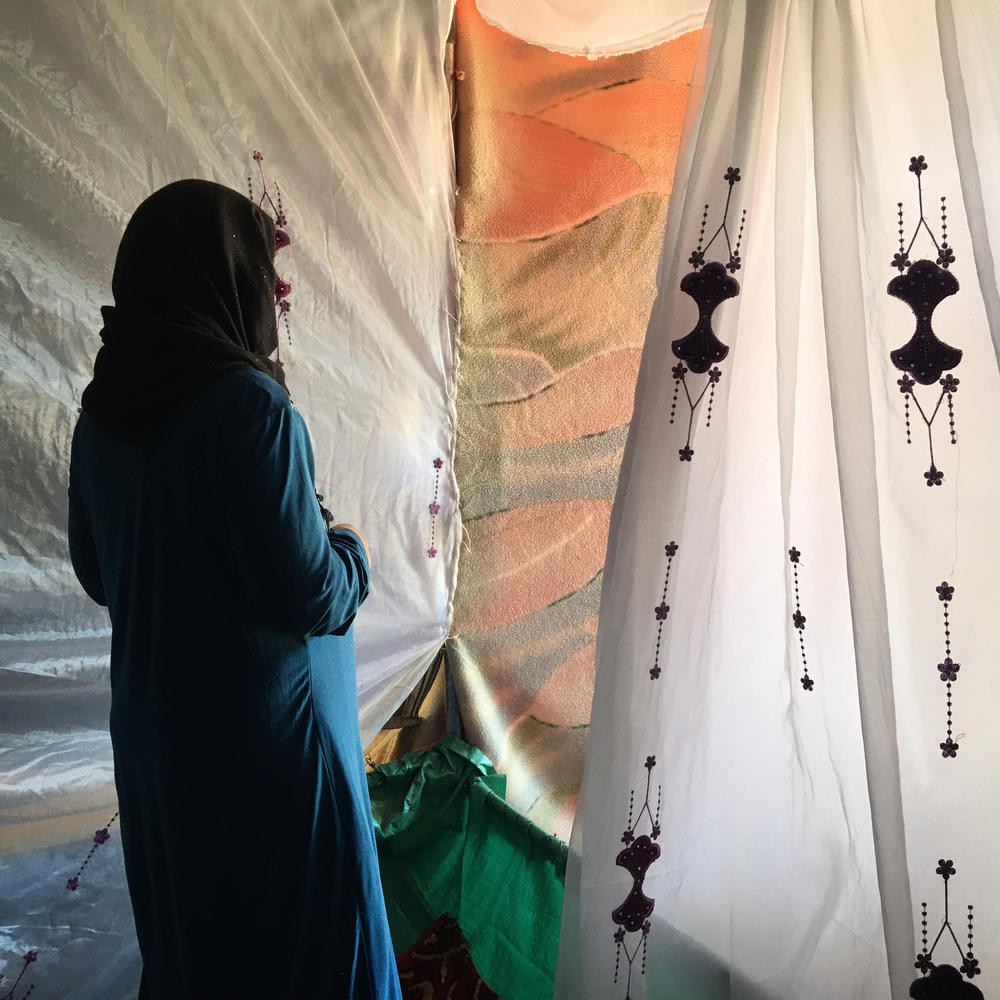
[(297, 577), (82, 550)]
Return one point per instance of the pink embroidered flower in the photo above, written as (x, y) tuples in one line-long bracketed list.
[(101, 836), (434, 508), (438, 463), (432, 552)]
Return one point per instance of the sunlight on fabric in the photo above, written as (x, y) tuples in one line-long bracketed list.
[(594, 27)]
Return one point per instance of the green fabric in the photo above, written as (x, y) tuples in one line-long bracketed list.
[(449, 843)]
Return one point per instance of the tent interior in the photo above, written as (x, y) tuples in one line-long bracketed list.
[(494, 345)]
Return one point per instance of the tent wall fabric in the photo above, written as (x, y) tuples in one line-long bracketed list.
[(564, 167), (102, 103), (794, 723), (595, 28)]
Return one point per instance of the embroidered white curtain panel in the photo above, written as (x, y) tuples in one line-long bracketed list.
[(792, 768)]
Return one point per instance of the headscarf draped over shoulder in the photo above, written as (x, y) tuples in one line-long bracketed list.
[(194, 287)]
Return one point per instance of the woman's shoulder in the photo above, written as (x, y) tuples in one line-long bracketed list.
[(249, 393)]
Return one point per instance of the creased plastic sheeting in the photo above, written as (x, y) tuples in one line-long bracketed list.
[(799, 830), (595, 27), (102, 103)]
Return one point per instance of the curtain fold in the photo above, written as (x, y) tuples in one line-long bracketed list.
[(792, 717)]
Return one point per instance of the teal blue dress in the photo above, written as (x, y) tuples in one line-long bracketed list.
[(246, 824)]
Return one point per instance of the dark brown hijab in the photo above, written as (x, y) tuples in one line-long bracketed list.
[(194, 290)]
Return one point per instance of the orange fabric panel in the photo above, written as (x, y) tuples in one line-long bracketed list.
[(564, 170)]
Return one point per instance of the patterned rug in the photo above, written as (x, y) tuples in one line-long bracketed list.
[(439, 967)]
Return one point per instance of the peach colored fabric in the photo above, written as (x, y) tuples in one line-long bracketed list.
[(564, 169)]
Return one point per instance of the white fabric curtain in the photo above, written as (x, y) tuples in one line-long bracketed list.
[(100, 104), (595, 28), (773, 777)]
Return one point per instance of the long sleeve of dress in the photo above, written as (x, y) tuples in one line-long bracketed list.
[(298, 577), (82, 549)]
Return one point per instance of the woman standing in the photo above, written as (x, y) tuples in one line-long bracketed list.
[(246, 825)]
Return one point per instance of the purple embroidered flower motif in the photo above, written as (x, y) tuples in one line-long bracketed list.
[(438, 463), (671, 549), (799, 620), (654, 672), (735, 263), (101, 836), (923, 962), (73, 884), (282, 288), (619, 935), (31, 956), (971, 966), (905, 384), (283, 306), (650, 763), (714, 374), (945, 591), (945, 868), (918, 165), (434, 508), (257, 156), (934, 476), (948, 749), (686, 453), (950, 384), (627, 837), (949, 669), (794, 554), (807, 682), (679, 371), (697, 258), (901, 261), (661, 611), (732, 175), (945, 256), (281, 240), (432, 552)]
